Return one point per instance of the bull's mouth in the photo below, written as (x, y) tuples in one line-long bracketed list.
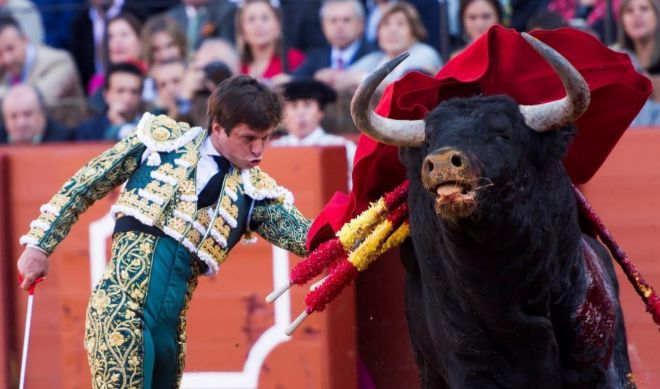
[(455, 199)]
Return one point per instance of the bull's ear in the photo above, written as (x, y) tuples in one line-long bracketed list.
[(557, 142)]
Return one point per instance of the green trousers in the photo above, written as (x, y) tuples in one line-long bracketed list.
[(135, 327)]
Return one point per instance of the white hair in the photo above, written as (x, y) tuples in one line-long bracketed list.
[(357, 7)]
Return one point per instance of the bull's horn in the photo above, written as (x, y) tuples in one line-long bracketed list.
[(558, 113), (405, 133)]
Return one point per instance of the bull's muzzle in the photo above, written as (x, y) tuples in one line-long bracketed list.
[(447, 174)]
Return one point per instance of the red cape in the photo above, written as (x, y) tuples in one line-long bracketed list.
[(501, 62)]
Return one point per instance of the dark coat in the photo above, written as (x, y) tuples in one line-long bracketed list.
[(219, 15), (302, 24), (320, 58), (55, 132), (92, 129)]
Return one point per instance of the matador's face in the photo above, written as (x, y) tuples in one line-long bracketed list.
[(243, 146)]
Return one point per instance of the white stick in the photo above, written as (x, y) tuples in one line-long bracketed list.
[(318, 283), (292, 327), (26, 338), (277, 293)]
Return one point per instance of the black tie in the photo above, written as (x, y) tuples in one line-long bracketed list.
[(209, 195)]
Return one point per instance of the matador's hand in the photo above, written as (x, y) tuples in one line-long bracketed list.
[(31, 265)]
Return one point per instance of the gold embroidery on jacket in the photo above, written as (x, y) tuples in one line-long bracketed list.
[(113, 328)]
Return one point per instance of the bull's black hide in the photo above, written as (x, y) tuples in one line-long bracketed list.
[(500, 290)]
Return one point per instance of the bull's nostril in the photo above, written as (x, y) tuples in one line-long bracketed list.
[(429, 166), (456, 160)]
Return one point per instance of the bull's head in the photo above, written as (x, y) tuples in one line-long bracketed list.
[(465, 142)]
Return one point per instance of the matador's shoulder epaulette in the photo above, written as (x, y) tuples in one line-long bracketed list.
[(260, 186), (162, 134)]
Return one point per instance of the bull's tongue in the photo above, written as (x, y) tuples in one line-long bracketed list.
[(449, 190)]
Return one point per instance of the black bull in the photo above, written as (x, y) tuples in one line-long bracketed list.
[(503, 290)]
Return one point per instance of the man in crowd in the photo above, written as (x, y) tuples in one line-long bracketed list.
[(50, 70), (201, 19), (190, 196), (123, 94), (343, 27), (305, 101), (168, 78), (25, 119), (215, 61)]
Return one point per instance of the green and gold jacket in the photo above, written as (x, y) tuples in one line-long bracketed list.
[(161, 193)]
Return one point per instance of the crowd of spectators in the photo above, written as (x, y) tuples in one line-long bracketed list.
[(87, 69)]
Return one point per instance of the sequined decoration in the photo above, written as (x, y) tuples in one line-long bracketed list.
[(113, 329)]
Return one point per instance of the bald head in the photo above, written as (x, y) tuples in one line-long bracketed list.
[(24, 114)]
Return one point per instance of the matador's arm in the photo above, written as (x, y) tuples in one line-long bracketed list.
[(282, 225), (92, 182)]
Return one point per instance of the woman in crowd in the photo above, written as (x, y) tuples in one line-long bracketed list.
[(259, 42), (639, 36), (477, 16), (122, 44), (162, 41), (400, 30)]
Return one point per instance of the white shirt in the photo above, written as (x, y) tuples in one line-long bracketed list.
[(206, 167), (346, 55)]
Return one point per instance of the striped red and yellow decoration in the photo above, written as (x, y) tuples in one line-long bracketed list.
[(356, 245)]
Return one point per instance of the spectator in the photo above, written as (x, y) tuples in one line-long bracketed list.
[(399, 30), (259, 41), (163, 41), (477, 17), (305, 101), (302, 27), (215, 61), (168, 79), (87, 43), (28, 18), (522, 11), (201, 19), (122, 91), (122, 43), (375, 8), (639, 33), (584, 13), (639, 37), (58, 20), (343, 26), (25, 119), (51, 71)]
